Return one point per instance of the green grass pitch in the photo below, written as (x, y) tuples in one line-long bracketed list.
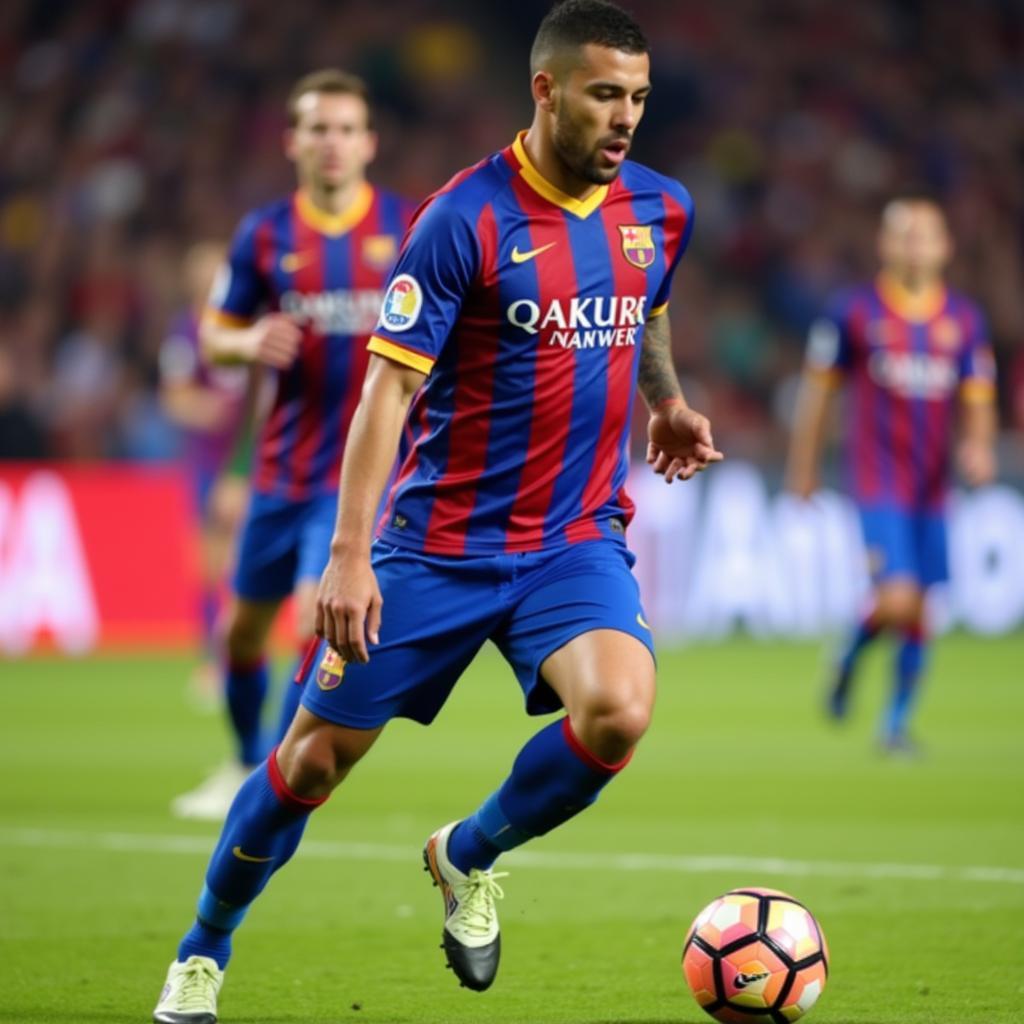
[(914, 868)]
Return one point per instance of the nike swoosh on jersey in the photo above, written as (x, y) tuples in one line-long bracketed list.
[(292, 261), (640, 619), (523, 257), (237, 851)]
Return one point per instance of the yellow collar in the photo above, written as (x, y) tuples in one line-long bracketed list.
[(334, 224), (581, 208), (919, 307)]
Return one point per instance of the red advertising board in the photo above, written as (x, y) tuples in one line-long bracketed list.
[(96, 555)]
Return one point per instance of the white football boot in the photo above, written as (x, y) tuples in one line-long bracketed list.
[(470, 938), (211, 799), (190, 992)]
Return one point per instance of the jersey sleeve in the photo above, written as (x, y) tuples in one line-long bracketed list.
[(828, 343), (977, 363), (678, 228), (239, 289), (438, 263)]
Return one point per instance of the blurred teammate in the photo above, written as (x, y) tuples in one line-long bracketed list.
[(914, 358), (208, 405), (300, 293), (529, 301)]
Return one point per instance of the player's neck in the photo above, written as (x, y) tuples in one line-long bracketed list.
[(915, 296), (332, 201), (549, 165)]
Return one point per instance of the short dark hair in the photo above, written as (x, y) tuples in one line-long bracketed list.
[(575, 23), (332, 81)]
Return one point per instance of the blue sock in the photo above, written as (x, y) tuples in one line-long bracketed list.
[(553, 778), (245, 691), (260, 834), (293, 689), (909, 664)]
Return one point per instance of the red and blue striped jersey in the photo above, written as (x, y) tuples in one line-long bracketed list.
[(526, 308), (905, 364), (328, 272)]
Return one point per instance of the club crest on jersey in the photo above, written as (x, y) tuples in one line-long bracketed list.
[(379, 251), (402, 303), (330, 670), (638, 244)]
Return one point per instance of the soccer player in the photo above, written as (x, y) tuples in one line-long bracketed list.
[(529, 301), (915, 358), (208, 405), (300, 293)]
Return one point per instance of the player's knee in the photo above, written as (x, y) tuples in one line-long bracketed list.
[(616, 726), (244, 637), (900, 607), (310, 764)]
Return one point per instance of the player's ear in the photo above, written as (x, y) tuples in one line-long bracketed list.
[(370, 151), (288, 143), (543, 88)]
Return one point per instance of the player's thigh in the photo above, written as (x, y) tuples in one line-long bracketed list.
[(932, 541), (315, 754), (889, 543), (436, 615), (604, 673), (579, 633), (268, 549)]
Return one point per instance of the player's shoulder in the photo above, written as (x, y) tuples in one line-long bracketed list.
[(963, 307), (842, 302), (640, 179), (267, 213), (466, 193)]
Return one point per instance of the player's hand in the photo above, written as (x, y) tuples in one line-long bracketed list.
[(348, 606), (274, 340), (977, 462), (803, 484), (680, 443)]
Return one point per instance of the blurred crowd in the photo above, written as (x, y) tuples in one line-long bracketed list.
[(130, 129)]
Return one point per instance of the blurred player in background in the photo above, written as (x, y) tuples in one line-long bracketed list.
[(915, 359), (300, 293), (529, 303), (209, 405)]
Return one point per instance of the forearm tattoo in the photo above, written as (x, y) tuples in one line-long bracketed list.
[(657, 378)]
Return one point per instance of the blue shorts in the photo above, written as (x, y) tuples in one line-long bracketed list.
[(283, 541), (905, 543), (439, 611)]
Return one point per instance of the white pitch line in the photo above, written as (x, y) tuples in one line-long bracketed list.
[(132, 842)]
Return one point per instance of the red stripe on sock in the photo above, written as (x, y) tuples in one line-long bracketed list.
[(307, 660), (586, 756), (915, 634), (284, 794)]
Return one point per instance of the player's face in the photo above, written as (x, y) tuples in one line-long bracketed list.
[(331, 143), (598, 105), (914, 240)]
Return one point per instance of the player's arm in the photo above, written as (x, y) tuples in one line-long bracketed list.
[(272, 340), (808, 432), (679, 439), (230, 331), (976, 452), (349, 603)]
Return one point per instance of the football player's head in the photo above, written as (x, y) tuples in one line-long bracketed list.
[(591, 78), (330, 135), (913, 239)]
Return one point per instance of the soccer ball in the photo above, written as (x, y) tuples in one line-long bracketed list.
[(755, 955)]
